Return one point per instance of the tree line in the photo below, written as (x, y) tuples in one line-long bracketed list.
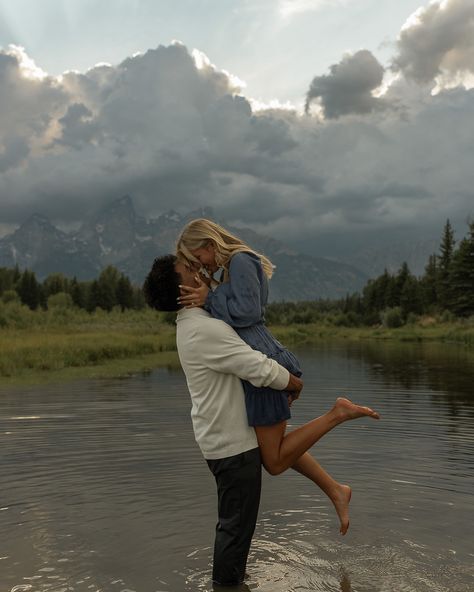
[(446, 288), (111, 289)]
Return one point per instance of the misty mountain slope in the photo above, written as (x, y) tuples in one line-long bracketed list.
[(40, 246), (303, 277), (116, 235)]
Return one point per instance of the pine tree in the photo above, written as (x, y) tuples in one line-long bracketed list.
[(16, 274), (124, 293), (55, 283), (444, 267), (395, 286), (369, 296), (462, 276), (410, 296), (375, 293), (429, 284), (384, 282), (7, 279), (392, 294), (93, 296), (28, 289), (402, 275), (78, 293), (107, 283)]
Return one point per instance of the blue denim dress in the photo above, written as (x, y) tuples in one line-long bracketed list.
[(240, 302)]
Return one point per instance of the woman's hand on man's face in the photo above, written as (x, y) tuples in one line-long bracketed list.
[(194, 296)]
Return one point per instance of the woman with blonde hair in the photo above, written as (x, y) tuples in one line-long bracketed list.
[(239, 300)]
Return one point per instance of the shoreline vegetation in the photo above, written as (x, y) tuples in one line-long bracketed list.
[(61, 328), (63, 344)]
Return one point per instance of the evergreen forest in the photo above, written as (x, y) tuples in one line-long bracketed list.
[(445, 290)]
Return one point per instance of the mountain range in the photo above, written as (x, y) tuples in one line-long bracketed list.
[(116, 235)]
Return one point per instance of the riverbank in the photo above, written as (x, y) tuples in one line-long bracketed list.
[(73, 345), (59, 349), (453, 332)]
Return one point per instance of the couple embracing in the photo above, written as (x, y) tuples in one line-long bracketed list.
[(242, 382)]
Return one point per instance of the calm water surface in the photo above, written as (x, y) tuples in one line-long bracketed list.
[(102, 487)]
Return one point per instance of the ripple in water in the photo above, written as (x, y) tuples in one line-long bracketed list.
[(103, 487)]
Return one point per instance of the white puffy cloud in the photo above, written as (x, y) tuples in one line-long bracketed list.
[(30, 102), (437, 42)]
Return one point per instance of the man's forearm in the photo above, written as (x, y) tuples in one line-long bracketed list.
[(222, 350)]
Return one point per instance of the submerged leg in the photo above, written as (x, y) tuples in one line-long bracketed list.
[(238, 480)]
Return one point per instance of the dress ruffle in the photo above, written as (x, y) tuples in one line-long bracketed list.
[(267, 406)]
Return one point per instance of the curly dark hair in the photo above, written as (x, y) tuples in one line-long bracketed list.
[(161, 286)]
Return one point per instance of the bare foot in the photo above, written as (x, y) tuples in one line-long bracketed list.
[(341, 501), (346, 409)]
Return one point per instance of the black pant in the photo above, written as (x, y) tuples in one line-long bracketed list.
[(239, 482)]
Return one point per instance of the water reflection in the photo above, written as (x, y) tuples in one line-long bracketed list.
[(345, 586), (241, 588), (345, 582), (103, 488), (446, 369)]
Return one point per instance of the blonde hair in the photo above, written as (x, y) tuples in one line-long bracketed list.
[(198, 233)]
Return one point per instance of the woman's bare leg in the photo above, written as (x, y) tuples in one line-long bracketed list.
[(280, 451), (339, 494)]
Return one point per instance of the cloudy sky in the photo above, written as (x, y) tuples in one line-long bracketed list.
[(326, 123)]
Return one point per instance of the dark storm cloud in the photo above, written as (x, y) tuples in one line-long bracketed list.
[(349, 86), (362, 204), (178, 136), (15, 150), (77, 126), (272, 136), (138, 125), (437, 39)]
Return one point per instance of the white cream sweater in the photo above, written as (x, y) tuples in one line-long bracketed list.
[(214, 359)]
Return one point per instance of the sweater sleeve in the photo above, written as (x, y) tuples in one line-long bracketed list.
[(238, 301), (222, 350)]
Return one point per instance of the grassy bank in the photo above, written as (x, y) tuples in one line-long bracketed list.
[(70, 344), (461, 333), (74, 344)]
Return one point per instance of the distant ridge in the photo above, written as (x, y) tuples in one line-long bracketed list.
[(116, 235)]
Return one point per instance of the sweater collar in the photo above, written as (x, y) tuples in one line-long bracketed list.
[(185, 313)]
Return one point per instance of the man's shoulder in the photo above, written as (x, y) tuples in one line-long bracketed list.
[(210, 326), (202, 327)]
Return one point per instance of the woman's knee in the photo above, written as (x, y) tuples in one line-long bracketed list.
[(274, 468)]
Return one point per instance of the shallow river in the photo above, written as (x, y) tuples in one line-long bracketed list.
[(102, 487)]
